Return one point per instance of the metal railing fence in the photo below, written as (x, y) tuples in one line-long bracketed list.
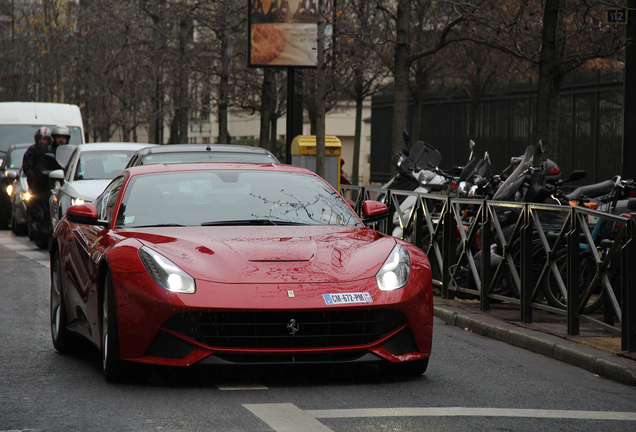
[(571, 261)]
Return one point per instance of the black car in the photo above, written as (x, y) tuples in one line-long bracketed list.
[(9, 168), (187, 153)]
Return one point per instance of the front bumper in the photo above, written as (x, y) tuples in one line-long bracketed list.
[(254, 324)]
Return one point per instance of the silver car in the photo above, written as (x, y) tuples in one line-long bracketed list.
[(90, 169), (188, 153)]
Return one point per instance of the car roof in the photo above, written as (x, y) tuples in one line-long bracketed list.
[(182, 148), (100, 146), (215, 166)]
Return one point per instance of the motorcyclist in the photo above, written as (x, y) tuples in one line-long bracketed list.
[(61, 135), (37, 163), (43, 141)]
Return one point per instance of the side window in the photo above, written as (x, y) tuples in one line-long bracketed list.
[(105, 203)]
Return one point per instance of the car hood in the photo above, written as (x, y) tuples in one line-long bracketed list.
[(88, 190), (287, 254)]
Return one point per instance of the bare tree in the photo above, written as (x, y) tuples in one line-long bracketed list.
[(359, 59), (556, 36), (437, 23)]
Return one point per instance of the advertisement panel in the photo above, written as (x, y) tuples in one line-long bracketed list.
[(284, 32)]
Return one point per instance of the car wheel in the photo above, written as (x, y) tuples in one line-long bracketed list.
[(413, 368), (111, 363), (19, 229), (41, 240), (63, 339)]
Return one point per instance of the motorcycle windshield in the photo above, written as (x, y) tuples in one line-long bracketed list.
[(508, 189), (476, 166), (425, 156)]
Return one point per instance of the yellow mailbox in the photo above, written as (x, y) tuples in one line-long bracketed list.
[(303, 150)]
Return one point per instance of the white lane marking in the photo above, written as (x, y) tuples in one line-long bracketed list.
[(239, 386), (35, 255), (26, 250), (472, 412), (16, 246), (286, 417)]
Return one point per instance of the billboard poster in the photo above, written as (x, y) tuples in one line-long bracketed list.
[(284, 32)]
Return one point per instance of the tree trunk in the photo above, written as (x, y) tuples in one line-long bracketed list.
[(547, 120), (224, 86), (358, 127), (267, 101), (401, 78), (155, 127), (320, 92)]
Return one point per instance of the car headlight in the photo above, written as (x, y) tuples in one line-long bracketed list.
[(77, 201), (166, 273), (9, 190), (396, 270), (25, 196)]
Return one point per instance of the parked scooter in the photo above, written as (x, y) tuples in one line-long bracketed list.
[(418, 171)]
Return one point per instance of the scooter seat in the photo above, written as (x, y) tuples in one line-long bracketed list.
[(591, 191)]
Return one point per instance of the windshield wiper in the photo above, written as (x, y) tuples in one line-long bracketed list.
[(156, 225), (250, 222)]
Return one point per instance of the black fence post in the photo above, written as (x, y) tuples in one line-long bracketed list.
[(448, 254), (486, 241), (628, 291), (526, 266), (574, 268), (418, 221)]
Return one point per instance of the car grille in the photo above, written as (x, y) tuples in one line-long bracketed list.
[(274, 329)]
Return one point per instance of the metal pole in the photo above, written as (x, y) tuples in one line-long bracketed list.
[(574, 266)]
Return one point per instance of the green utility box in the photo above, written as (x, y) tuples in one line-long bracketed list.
[(303, 150)]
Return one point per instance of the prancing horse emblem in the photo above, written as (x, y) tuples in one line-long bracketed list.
[(293, 327)]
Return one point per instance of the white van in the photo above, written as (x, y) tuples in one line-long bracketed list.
[(20, 120)]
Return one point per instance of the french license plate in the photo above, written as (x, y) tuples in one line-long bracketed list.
[(347, 298)]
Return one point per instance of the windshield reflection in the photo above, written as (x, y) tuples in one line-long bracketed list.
[(232, 197)]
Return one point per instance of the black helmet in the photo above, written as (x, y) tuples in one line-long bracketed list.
[(43, 132), (61, 130)]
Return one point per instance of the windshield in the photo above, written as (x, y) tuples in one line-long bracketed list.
[(102, 165), (24, 134), (208, 156), (232, 197)]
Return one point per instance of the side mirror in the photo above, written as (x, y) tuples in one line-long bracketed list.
[(10, 173), (407, 138), (471, 146), (57, 175), (373, 211), (85, 214)]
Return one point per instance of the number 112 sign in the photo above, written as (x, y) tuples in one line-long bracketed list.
[(615, 17)]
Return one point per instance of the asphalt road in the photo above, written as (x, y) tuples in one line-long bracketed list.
[(472, 384)]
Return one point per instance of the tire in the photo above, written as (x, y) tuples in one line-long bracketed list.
[(41, 240), (413, 368), (111, 362), (20, 229), (553, 293), (63, 339)]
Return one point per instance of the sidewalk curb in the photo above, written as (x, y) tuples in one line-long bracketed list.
[(599, 362)]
